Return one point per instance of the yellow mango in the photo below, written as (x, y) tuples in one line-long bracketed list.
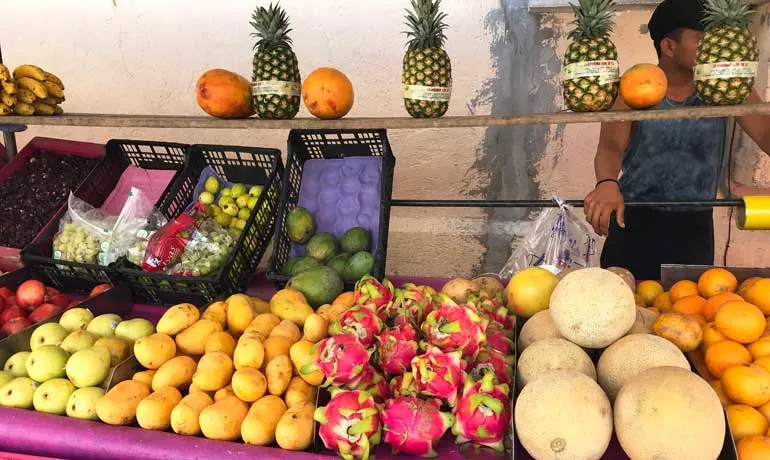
[(294, 311), (154, 350), (144, 376), (194, 389), (217, 311), (240, 312), (249, 352), (260, 306), (278, 374), (316, 328), (220, 341), (303, 355), (288, 294), (262, 419), (118, 406), (332, 312), (286, 329), (178, 318), (222, 420), (249, 384), (263, 324), (192, 341), (184, 416), (277, 346), (119, 349), (224, 393), (214, 371), (176, 372), (154, 411), (346, 298), (295, 428), (299, 392)]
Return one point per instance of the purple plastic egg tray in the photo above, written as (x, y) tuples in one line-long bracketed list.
[(207, 172)]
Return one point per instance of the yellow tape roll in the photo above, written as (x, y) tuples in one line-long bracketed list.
[(754, 214)]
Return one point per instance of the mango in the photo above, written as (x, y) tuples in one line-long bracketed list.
[(287, 294), (52, 395), (287, 329), (194, 389), (224, 392), (144, 376), (217, 311), (260, 306), (303, 355), (78, 340), (296, 312), (277, 346), (89, 367), (240, 313), (47, 334), (119, 348), (134, 329), (259, 426), (118, 406), (76, 319), (176, 372), (104, 325), (295, 428), (154, 411), (263, 324), (222, 420), (214, 371), (18, 393), (249, 384), (178, 318), (278, 373), (220, 341), (16, 365), (299, 392), (316, 328), (154, 350), (192, 341), (249, 352), (82, 403), (332, 312), (184, 416)]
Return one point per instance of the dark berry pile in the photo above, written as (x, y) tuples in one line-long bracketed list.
[(29, 199)]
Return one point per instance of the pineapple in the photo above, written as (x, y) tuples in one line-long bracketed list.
[(274, 62), (591, 42), (727, 39), (427, 76)]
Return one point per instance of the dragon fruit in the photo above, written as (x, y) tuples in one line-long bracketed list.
[(361, 321), (403, 385), (438, 374), (397, 348), (482, 413), (499, 340), (492, 308), (373, 383), (412, 425), (349, 424), (371, 292), (491, 360), (411, 305), (342, 359), (454, 328)]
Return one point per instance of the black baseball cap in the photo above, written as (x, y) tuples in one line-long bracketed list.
[(672, 15)]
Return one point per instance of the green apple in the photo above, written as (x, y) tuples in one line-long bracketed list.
[(206, 198), (104, 325), (230, 209), (82, 403), (46, 362), (76, 319), (211, 185), (225, 200), (223, 220), (255, 191), (227, 192), (244, 213), (240, 224), (18, 393), (242, 201), (89, 367), (17, 364), (134, 329), (78, 340), (51, 397), (253, 202), (238, 190), (47, 334), (5, 377)]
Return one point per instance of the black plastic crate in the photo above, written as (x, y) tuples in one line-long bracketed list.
[(119, 155), (250, 165), (305, 145)]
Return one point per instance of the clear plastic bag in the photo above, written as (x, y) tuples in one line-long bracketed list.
[(81, 233), (131, 227), (206, 251), (559, 240)]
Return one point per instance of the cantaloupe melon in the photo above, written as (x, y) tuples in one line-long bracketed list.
[(593, 307), (564, 415), (669, 413), (552, 354), (632, 355), (540, 326), (644, 321)]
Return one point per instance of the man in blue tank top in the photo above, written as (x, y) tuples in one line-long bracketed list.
[(664, 160)]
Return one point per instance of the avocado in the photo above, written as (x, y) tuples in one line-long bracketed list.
[(355, 240), (299, 225), (322, 247), (338, 262), (359, 264), (299, 265), (320, 285)]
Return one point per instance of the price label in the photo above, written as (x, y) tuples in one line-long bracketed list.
[(608, 71), (714, 70), (277, 87), (427, 93)]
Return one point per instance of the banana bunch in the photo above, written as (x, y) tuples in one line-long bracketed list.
[(31, 91)]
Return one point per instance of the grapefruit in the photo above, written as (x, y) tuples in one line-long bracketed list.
[(529, 291)]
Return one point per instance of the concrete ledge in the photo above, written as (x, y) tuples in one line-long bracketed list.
[(549, 6)]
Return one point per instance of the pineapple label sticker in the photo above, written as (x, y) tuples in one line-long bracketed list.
[(280, 88), (427, 93), (607, 71), (714, 70)]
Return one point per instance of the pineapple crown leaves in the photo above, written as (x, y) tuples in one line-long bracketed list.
[(426, 25), (593, 18), (726, 13), (272, 27)]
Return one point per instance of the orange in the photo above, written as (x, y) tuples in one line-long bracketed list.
[(746, 284), (713, 303), (643, 86), (754, 447), (767, 327), (690, 305), (747, 384), (759, 295), (682, 289), (763, 362), (740, 321), (723, 354), (699, 318), (663, 302), (716, 281), (764, 409), (745, 421), (327, 93), (649, 290), (760, 348), (710, 335), (717, 386)]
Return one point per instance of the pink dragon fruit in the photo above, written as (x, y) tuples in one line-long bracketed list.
[(491, 360), (349, 424), (499, 340), (373, 383), (454, 328), (361, 321), (492, 308), (438, 374), (342, 358), (397, 348), (411, 304), (403, 385), (412, 425), (483, 413), (371, 292)]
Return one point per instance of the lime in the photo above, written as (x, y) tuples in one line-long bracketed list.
[(238, 190), (255, 191), (223, 219), (244, 213), (211, 185), (355, 240), (253, 202)]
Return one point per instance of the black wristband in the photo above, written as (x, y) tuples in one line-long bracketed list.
[(606, 180)]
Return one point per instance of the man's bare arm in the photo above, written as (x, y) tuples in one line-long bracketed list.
[(757, 126)]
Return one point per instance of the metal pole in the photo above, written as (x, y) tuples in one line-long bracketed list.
[(551, 203)]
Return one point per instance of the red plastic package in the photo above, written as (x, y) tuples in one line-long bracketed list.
[(166, 246)]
